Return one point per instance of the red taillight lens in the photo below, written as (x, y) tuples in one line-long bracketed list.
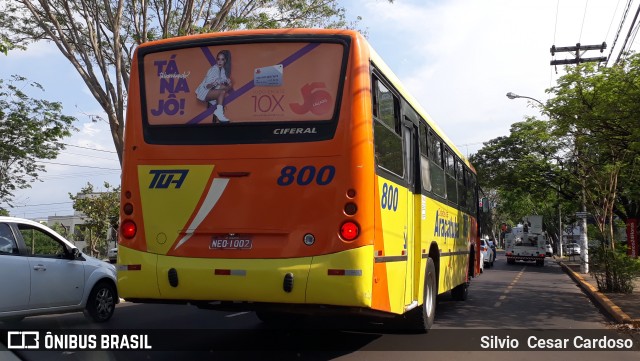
[(128, 229), (349, 231)]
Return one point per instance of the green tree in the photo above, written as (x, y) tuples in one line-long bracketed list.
[(5, 45), (598, 109), (98, 36), (100, 209), (526, 174), (30, 130)]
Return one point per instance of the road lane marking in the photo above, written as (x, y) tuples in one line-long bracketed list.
[(509, 287)]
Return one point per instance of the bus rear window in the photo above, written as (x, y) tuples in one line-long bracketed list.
[(263, 82)]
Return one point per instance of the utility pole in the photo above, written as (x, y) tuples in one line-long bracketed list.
[(584, 246), (579, 51)]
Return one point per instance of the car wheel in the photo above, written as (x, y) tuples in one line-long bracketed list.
[(101, 302)]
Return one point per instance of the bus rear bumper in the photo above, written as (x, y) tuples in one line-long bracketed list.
[(339, 279)]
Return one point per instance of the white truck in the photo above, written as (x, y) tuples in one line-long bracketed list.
[(526, 242)]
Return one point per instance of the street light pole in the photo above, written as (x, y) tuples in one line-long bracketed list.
[(511, 95)]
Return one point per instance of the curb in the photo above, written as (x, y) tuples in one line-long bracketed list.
[(611, 308)]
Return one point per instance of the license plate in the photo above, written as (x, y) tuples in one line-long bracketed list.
[(231, 242)]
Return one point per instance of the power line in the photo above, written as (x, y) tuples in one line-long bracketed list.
[(54, 177), (92, 156), (612, 18), (77, 165), (586, 4), (624, 18), (97, 150), (631, 28), (41, 204)]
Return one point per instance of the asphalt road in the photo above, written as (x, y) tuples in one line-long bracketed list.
[(506, 303)]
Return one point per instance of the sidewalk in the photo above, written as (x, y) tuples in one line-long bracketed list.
[(624, 308)]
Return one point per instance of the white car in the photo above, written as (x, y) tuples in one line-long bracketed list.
[(548, 249), (573, 249), (487, 252), (112, 255), (47, 274)]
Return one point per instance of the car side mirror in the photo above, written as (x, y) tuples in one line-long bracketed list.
[(75, 253)]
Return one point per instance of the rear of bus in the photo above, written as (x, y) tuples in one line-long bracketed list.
[(272, 207)]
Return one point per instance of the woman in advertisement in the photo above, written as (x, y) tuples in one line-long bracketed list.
[(216, 84)]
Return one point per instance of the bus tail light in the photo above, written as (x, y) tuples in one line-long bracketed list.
[(350, 209), (349, 231), (128, 229), (128, 209)]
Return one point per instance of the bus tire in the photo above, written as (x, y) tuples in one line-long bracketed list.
[(460, 292), (420, 319)]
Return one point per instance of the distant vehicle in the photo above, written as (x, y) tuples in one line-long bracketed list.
[(549, 249), (46, 274), (573, 249), (112, 254), (487, 253), (526, 242), (492, 245), (481, 262)]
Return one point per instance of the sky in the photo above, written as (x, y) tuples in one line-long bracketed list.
[(458, 58)]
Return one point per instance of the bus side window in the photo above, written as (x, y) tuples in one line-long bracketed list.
[(425, 174), (437, 168), (386, 129), (452, 185), (462, 186)]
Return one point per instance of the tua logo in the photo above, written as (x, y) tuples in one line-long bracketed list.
[(162, 179), (316, 100)]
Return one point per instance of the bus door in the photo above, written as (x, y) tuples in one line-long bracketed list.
[(411, 237)]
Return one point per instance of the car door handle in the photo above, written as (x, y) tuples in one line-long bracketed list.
[(39, 268)]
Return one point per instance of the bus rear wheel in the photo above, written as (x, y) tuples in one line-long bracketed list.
[(420, 319)]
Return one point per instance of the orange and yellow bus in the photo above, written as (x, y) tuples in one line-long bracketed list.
[(288, 171)]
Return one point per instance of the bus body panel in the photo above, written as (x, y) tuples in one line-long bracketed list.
[(349, 288), (392, 237), (141, 283)]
